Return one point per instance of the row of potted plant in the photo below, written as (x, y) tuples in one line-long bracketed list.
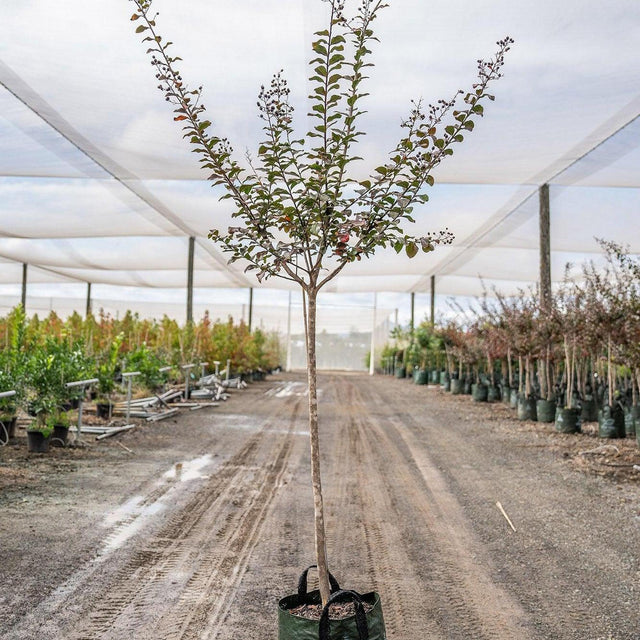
[(571, 356), (39, 357)]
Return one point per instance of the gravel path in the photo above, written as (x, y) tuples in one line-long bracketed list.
[(199, 531)]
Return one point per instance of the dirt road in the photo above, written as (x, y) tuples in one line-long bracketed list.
[(198, 532)]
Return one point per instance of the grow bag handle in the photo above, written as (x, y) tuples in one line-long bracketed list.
[(361, 616), (302, 582)]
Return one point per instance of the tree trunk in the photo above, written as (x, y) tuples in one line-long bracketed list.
[(320, 536)]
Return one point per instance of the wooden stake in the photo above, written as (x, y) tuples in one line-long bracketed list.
[(504, 513)]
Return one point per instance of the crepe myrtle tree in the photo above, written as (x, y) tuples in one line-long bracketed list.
[(301, 214)]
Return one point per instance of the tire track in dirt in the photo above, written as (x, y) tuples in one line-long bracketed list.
[(188, 572), (456, 583), (448, 510), (388, 565)]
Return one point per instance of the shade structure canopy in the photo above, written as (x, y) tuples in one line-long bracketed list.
[(97, 185)]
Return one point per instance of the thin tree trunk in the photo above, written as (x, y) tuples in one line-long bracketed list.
[(320, 536), (568, 373), (609, 372), (521, 378)]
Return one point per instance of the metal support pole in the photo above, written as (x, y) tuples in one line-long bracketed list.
[(192, 243), (228, 372), (372, 357), (24, 286), (250, 308), (413, 305), (433, 300), (88, 311), (83, 384), (216, 364), (187, 373), (203, 369), (288, 366), (545, 247), (129, 377)]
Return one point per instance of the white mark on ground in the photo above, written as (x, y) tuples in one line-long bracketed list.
[(189, 469), (135, 514), (288, 389)]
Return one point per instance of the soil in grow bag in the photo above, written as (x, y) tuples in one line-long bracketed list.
[(611, 422), (302, 617)]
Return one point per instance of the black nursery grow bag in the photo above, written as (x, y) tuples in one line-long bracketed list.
[(363, 625)]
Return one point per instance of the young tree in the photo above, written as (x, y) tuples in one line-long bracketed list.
[(301, 215)]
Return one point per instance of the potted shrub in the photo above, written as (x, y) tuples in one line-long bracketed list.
[(569, 317), (546, 335), (59, 422), (106, 370), (50, 366), (9, 404), (301, 215)]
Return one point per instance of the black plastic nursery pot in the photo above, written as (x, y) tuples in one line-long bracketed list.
[(401, 372), (527, 408), (366, 624), (479, 392), (567, 420), (513, 400), (506, 394), (457, 386), (546, 410), (59, 435), (435, 376), (37, 442), (611, 422), (103, 410), (9, 423)]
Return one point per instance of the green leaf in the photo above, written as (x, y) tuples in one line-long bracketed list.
[(141, 28), (319, 48), (411, 249), (398, 246)]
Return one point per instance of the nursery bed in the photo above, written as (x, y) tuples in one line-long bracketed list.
[(193, 527)]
